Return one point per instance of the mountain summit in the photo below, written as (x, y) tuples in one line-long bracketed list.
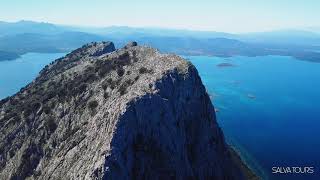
[(101, 113)]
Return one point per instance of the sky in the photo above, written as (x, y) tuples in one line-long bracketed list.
[(214, 15)]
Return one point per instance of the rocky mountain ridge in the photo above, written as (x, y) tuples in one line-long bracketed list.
[(102, 113)]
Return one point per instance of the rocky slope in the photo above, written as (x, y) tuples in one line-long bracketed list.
[(101, 113)]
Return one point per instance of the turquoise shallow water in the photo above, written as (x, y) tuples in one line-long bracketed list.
[(17, 73), (269, 109)]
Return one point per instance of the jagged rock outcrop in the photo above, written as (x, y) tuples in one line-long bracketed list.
[(101, 113)]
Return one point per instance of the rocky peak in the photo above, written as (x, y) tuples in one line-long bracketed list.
[(101, 113), (98, 49), (131, 44)]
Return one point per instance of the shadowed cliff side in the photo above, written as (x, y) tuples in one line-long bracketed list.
[(101, 113)]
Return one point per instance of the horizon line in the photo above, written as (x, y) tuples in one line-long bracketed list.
[(304, 29)]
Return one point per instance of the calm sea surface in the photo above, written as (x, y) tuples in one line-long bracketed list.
[(268, 108), (17, 73)]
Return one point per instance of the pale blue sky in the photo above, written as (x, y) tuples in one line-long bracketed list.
[(216, 15)]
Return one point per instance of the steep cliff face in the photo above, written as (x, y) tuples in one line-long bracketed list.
[(101, 113)]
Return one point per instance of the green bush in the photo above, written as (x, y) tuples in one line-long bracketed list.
[(50, 125), (124, 86), (120, 72), (93, 105), (144, 70)]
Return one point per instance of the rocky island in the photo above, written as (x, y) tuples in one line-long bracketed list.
[(102, 113), (225, 65)]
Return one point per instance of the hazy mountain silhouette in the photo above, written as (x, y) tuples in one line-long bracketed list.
[(28, 36)]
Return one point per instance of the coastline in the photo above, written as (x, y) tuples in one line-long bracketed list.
[(249, 173), (9, 58)]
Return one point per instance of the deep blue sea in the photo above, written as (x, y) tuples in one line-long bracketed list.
[(268, 108)]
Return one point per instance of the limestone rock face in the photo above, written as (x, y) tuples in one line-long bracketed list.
[(98, 49), (101, 113)]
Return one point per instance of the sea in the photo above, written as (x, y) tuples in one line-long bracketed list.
[(267, 106), (15, 74), (269, 110)]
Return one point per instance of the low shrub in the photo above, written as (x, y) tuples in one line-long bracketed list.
[(93, 105)]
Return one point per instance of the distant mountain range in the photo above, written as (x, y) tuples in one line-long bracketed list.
[(27, 36)]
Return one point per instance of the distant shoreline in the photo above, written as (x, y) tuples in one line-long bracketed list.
[(8, 56), (17, 56), (315, 59), (29, 36), (249, 173)]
